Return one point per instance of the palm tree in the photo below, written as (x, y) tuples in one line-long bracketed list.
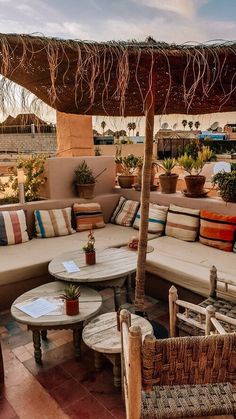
[(129, 126), (184, 123), (197, 124), (103, 124), (190, 124), (133, 127)]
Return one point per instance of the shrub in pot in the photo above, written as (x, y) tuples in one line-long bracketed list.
[(226, 183), (89, 249), (71, 296), (194, 180), (168, 180), (128, 165), (85, 180)]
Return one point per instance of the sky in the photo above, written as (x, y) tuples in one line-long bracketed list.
[(177, 21)]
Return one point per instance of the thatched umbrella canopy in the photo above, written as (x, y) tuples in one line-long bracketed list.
[(123, 79)]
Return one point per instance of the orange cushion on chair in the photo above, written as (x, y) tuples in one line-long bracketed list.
[(217, 230)]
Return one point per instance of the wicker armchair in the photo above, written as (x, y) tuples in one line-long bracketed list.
[(195, 320), (177, 377)]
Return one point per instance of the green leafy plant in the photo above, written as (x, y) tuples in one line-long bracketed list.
[(227, 185), (167, 165), (192, 149), (194, 165), (129, 164), (83, 174), (34, 178), (72, 292), (89, 247)]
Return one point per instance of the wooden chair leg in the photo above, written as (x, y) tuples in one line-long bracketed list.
[(173, 297)]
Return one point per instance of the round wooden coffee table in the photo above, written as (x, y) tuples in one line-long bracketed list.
[(113, 269), (90, 302), (101, 335)]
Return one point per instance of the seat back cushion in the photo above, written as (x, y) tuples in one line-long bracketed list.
[(125, 212), (156, 219), (217, 230), (53, 223), (88, 216), (13, 228), (182, 223)]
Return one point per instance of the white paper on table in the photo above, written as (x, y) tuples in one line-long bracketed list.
[(71, 266), (37, 308)]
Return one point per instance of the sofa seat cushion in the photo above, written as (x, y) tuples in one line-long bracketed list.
[(188, 264), (31, 259)]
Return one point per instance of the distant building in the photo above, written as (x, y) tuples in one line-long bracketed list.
[(25, 123), (230, 130)]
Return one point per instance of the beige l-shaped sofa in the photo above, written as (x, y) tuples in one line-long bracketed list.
[(185, 264)]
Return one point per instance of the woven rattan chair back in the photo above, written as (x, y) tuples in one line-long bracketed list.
[(164, 378)]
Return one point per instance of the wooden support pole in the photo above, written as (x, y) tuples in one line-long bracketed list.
[(173, 297), (134, 373), (213, 281), (144, 209)]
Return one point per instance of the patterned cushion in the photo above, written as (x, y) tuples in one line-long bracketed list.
[(217, 230), (156, 219), (125, 212), (88, 216), (182, 223), (13, 229), (53, 223)]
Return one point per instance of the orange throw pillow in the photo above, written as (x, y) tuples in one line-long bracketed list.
[(217, 230)]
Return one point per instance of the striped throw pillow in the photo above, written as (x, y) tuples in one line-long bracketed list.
[(217, 230), (156, 219), (182, 223), (53, 223), (125, 212), (13, 228), (88, 216)]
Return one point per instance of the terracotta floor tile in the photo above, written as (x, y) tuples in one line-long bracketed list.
[(88, 408), (52, 377), (68, 392), (25, 356), (6, 410)]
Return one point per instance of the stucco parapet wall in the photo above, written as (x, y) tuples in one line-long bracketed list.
[(214, 204)]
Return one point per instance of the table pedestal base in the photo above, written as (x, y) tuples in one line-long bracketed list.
[(115, 360), (40, 332)]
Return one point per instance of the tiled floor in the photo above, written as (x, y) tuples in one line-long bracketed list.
[(62, 387)]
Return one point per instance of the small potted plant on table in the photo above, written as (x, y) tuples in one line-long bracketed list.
[(71, 296), (168, 180), (89, 249)]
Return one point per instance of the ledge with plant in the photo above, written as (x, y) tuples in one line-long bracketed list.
[(128, 165), (71, 296), (168, 180)]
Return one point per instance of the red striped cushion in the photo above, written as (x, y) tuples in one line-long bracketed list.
[(13, 228), (88, 216), (217, 230)]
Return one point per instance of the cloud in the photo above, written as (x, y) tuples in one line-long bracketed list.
[(183, 8)]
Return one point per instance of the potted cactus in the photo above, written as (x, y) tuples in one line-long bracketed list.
[(128, 166), (84, 180), (71, 296), (89, 249), (168, 180)]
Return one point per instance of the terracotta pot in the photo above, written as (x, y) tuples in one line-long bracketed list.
[(90, 258), (168, 182), (85, 191), (126, 181), (72, 307), (195, 184)]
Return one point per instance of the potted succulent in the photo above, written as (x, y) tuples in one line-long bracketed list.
[(71, 296), (168, 180), (85, 180), (195, 181), (89, 249), (227, 185), (128, 165)]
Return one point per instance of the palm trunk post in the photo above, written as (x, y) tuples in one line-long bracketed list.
[(145, 196)]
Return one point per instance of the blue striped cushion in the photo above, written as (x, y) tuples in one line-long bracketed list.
[(53, 223), (156, 219)]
